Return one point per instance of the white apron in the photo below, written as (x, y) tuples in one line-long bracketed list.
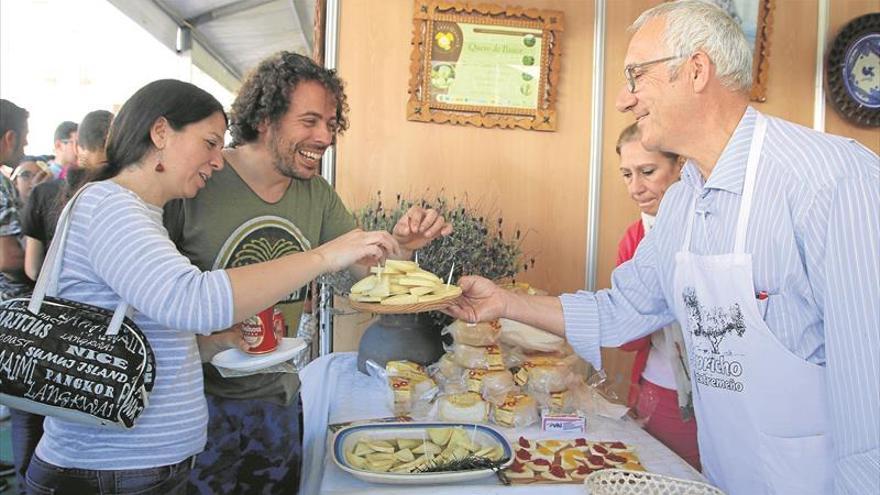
[(761, 411)]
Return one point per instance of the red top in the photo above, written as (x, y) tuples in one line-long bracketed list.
[(626, 249)]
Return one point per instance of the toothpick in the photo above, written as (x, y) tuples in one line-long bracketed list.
[(416, 257), (449, 278)]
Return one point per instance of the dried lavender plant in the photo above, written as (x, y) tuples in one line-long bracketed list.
[(477, 244)]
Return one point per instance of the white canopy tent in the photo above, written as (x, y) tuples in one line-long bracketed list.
[(226, 38)]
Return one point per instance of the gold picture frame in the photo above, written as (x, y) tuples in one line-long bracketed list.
[(761, 53), (484, 65)]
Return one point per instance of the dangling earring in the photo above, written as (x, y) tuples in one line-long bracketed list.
[(159, 167)]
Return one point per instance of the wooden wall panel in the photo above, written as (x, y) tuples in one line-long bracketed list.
[(841, 12), (617, 210), (537, 180), (792, 61)]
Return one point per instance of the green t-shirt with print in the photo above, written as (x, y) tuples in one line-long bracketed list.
[(227, 225)]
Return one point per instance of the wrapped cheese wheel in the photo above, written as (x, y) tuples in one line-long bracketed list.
[(516, 411), (466, 407), (446, 368), (402, 393), (492, 385), (423, 387), (420, 384), (484, 358), (546, 374), (405, 369), (448, 374), (412, 388), (518, 334), (479, 334)]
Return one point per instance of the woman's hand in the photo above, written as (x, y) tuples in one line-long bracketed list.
[(481, 300), (357, 247)]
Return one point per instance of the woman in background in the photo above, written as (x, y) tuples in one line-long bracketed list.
[(29, 173), (661, 387), (164, 144)]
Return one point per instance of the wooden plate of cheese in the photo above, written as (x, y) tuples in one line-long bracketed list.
[(401, 287)]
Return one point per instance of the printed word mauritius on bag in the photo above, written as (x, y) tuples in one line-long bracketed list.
[(68, 359)]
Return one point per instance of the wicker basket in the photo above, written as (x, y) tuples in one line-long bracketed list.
[(621, 482)]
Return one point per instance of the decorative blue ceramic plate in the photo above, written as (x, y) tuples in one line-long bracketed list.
[(852, 70)]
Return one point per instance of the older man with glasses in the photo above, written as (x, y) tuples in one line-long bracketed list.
[(765, 252)]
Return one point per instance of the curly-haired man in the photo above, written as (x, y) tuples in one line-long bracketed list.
[(268, 201)]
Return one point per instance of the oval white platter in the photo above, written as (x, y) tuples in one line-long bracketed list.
[(346, 438), (236, 359)]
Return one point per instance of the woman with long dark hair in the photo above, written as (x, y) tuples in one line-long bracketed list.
[(164, 144)]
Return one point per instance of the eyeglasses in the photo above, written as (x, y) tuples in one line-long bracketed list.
[(630, 70)]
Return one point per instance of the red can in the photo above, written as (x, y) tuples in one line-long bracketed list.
[(278, 323), (259, 332)]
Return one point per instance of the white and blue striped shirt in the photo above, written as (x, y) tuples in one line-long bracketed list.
[(814, 235), (118, 248)]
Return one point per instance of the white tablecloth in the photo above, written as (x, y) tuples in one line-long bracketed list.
[(333, 391)]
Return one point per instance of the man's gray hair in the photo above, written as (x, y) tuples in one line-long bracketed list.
[(693, 25)]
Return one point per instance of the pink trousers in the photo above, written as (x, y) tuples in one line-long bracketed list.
[(658, 408)]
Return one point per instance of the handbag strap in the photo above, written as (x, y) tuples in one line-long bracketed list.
[(47, 281)]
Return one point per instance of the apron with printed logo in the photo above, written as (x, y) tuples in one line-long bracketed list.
[(761, 410)]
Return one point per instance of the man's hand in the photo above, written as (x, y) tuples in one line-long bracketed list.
[(418, 227), (231, 338), (481, 300)]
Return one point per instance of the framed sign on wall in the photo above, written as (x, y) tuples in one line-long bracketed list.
[(484, 65)]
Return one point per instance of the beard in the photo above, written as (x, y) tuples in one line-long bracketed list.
[(284, 155)]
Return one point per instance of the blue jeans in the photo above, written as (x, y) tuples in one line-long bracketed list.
[(47, 479), (254, 447), (27, 429)]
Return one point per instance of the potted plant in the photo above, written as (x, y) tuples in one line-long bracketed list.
[(477, 246)]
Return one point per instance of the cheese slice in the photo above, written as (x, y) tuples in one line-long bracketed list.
[(440, 436)]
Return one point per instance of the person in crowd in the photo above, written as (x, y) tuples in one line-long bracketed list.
[(165, 144), (765, 251), (65, 149), (660, 393), (13, 283), (91, 139), (29, 172), (41, 211), (285, 116)]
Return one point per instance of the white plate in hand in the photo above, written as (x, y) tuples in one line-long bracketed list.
[(236, 359), (347, 438)]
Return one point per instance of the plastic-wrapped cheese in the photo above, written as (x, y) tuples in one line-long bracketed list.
[(514, 333), (516, 411), (546, 374), (472, 357), (492, 385), (467, 407), (479, 334)]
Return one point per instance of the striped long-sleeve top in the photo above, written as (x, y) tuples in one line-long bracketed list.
[(814, 235), (117, 248)]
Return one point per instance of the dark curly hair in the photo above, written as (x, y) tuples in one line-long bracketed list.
[(265, 94)]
